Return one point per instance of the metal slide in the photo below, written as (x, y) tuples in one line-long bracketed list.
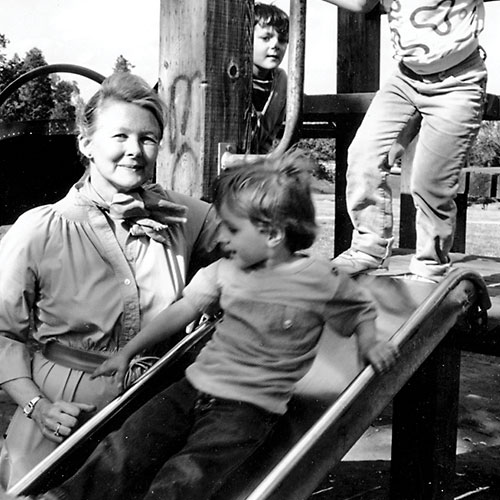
[(72, 452), (322, 425), (333, 405)]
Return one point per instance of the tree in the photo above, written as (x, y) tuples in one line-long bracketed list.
[(64, 95), (36, 95), (486, 150), (45, 97), (122, 65)]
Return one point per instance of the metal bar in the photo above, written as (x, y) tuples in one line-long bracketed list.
[(46, 70)]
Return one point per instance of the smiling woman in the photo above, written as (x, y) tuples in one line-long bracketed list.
[(80, 277), (123, 148)]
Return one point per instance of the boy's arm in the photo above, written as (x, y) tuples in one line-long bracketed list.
[(355, 5), (379, 353), (168, 323)]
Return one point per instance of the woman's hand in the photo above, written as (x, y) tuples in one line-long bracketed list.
[(59, 419), (116, 367)]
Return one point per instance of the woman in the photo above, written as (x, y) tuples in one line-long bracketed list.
[(84, 275)]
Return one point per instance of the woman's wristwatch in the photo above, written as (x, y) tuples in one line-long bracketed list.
[(30, 405)]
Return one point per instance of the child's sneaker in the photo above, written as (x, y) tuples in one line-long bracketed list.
[(354, 262)]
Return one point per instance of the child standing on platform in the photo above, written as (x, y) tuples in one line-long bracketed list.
[(269, 82), (441, 74), (276, 301)]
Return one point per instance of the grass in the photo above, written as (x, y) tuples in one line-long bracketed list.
[(483, 227)]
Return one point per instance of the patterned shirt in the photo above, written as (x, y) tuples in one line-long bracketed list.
[(430, 36)]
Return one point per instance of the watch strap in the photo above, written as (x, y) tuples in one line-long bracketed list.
[(30, 405)]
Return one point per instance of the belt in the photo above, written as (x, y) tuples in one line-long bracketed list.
[(73, 357), (88, 361), (440, 75)]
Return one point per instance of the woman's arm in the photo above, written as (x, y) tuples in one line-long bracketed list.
[(355, 5), (59, 416)]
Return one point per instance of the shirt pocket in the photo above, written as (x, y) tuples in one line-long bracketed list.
[(284, 328)]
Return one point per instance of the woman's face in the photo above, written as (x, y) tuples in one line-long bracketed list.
[(122, 148)]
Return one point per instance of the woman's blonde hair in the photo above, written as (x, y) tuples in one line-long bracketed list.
[(121, 87)]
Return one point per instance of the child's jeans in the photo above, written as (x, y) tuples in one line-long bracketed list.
[(181, 445), (451, 105)]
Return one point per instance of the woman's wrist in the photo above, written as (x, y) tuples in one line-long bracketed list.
[(30, 406)]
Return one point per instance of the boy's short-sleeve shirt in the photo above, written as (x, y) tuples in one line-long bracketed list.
[(272, 322), (432, 35)]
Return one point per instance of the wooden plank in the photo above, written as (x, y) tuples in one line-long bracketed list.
[(358, 59), (317, 107), (205, 78)]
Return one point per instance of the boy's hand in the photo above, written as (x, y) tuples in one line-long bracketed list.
[(116, 366), (382, 356)]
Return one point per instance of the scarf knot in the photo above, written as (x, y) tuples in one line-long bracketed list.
[(148, 212)]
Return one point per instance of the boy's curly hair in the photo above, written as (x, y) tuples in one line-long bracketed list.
[(273, 192), (270, 15)]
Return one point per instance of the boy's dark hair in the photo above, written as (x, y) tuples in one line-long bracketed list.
[(273, 192), (270, 15)]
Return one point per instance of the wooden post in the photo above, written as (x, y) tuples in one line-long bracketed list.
[(205, 78), (424, 430), (358, 69)]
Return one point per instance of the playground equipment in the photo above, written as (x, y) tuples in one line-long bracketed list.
[(326, 418), (207, 95)]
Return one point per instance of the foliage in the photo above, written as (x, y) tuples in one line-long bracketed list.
[(486, 150), (45, 97), (322, 152), (122, 65), (64, 94)]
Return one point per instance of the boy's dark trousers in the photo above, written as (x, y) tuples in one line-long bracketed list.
[(182, 444)]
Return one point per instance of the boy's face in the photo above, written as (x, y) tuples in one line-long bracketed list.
[(269, 48), (244, 242)]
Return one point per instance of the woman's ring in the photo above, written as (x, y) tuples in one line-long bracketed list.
[(56, 432)]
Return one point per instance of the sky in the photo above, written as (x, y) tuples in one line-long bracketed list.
[(93, 33)]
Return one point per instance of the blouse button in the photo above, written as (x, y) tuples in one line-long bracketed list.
[(127, 282), (287, 324)]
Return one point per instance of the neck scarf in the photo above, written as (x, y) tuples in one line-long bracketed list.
[(146, 212)]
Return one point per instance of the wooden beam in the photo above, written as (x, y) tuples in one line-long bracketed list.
[(424, 428), (205, 78), (358, 70)]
